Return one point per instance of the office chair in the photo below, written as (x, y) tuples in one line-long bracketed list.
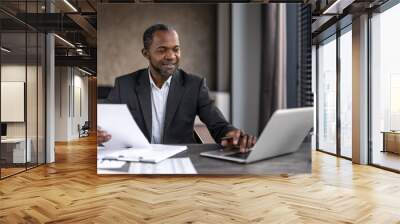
[(84, 130), (202, 135)]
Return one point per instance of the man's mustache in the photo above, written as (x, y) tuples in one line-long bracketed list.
[(169, 63)]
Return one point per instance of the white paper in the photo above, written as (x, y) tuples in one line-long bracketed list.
[(109, 164), (118, 121), (128, 143), (168, 166), (154, 154)]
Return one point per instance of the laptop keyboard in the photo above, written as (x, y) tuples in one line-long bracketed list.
[(240, 155)]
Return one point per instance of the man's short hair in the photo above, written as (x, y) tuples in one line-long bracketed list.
[(149, 33)]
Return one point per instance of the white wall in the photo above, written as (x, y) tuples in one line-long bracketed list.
[(71, 102), (12, 73), (80, 114), (246, 66), (33, 125), (62, 81)]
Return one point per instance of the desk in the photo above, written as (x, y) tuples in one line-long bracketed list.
[(15, 148), (297, 162), (391, 141)]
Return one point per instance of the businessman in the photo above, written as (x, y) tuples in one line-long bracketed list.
[(164, 100)]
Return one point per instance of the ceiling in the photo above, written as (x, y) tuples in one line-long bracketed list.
[(72, 20)]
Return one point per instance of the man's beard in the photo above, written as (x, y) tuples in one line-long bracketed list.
[(165, 72)]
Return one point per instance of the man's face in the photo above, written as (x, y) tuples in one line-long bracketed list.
[(164, 52)]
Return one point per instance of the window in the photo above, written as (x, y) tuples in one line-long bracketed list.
[(327, 95), (346, 92), (334, 72), (385, 86)]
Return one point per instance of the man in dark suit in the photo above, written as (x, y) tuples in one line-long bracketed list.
[(164, 100)]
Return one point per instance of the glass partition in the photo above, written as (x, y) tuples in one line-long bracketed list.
[(22, 88), (327, 95), (14, 153)]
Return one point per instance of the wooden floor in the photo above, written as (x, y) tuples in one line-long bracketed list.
[(387, 159), (70, 191), (5, 172), (10, 171)]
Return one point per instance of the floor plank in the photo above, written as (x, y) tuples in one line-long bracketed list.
[(70, 191)]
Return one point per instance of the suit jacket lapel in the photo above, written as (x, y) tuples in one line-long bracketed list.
[(176, 91), (143, 92)]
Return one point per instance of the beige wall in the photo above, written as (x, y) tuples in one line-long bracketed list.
[(120, 30)]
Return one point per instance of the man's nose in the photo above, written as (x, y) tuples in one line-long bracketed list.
[(170, 55)]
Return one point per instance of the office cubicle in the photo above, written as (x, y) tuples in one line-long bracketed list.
[(22, 88)]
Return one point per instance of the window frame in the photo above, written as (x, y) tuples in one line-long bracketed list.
[(347, 27)]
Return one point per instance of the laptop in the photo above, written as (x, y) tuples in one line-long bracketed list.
[(283, 134)]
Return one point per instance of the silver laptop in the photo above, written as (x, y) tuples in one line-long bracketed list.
[(282, 135)]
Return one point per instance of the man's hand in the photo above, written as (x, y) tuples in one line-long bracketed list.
[(102, 136), (238, 138)]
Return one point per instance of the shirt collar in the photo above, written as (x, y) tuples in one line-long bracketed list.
[(152, 83)]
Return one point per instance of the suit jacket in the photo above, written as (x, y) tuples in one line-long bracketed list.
[(188, 96)]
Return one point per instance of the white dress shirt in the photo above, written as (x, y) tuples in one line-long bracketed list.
[(158, 106)]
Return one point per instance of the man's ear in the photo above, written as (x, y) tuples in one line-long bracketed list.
[(145, 53)]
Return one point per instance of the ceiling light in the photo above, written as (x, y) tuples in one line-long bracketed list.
[(79, 51), (84, 71), (337, 7), (5, 50), (64, 40), (70, 5)]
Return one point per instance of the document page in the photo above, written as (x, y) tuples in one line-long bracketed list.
[(128, 143), (168, 166), (154, 154), (118, 121), (109, 164)]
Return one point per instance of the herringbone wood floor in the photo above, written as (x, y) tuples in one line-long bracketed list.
[(69, 191)]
